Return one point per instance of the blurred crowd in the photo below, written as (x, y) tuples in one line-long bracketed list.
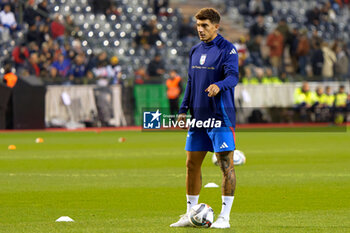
[(52, 50), (293, 52)]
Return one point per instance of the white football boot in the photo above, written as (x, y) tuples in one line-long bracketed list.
[(183, 221), (221, 223)]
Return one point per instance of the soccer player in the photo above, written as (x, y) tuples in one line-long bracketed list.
[(212, 76)]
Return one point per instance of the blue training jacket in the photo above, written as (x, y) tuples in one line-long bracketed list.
[(215, 62)]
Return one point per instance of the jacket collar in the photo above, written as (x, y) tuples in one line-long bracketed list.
[(213, 42)]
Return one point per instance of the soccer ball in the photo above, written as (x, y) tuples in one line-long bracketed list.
[(201, 215), (238, 158)]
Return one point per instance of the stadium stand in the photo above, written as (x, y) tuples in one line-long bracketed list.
[(72, 28), (307, 28), (130, 30), (80, 42)]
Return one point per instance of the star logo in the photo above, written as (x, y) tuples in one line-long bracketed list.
[(156, 115)]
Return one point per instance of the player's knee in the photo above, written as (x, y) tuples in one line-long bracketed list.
[(192, 165), (226, 164)]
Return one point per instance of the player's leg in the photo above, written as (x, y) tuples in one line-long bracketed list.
[(225, 161), (224, 144), (193, 184), (197, 145), (194, 176)]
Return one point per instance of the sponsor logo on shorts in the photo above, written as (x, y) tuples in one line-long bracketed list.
[(224, 145)]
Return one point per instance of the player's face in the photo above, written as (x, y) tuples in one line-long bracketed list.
[(207, 31)]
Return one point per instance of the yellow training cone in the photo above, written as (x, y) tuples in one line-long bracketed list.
[(39, 140), (12, 147)]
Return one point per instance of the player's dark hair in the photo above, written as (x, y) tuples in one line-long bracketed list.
[(208, 13)]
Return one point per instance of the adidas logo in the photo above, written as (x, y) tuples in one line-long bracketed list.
[(224, 145), (223, 203), (233, 51), (189, 202)]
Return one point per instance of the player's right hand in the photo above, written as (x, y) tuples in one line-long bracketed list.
[(182, 118)]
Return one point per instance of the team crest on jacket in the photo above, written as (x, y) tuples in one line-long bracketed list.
[(202, 60)]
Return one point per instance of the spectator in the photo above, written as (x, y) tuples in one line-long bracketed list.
[(293, 48), (141, 75), (315, 38), (329, 97), (256, 7), (342, 64), (142, 40), (71, 30), (317, 60), (242, 51), (254, 48), (7, 18), (283, 28), (76, 46), (115, 71), (303, 100), (150, 25), (319, 108), (30, 15), (272, 78), (156, 69), (268, 7), (60, 68), (43, 11), (20, 54), (44, 31), (275, 42), (58, 29), (174, 90), (327, 13), (45, 58), (33, 48), (262, 79), (246, 74), (154, 38), (340, 97), (329, 61), (258, 28), (340, 105), (186, 31), (9, 78), (67, 51), (313, 16), (33, 35), (101, 72), (55, 50), (102, 59), (78, 71), (32, 65), (303, 50)]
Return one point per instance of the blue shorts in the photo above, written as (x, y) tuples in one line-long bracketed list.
[(214, 140)]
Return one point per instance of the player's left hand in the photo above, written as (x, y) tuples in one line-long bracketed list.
[(212, 90)]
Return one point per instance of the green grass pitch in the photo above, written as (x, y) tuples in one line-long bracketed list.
[(292, 182)]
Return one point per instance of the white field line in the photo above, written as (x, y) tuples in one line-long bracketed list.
[(293, 175)]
